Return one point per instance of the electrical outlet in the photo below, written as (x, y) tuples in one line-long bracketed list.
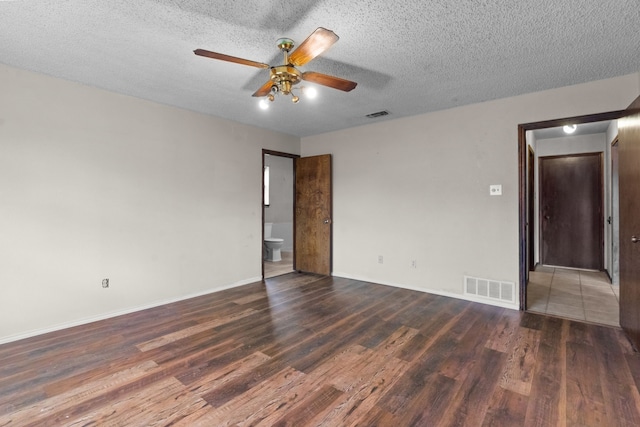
[(105, 283), (414, 263), (380, 259)]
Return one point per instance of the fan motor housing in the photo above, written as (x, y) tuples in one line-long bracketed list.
[(285, 76)]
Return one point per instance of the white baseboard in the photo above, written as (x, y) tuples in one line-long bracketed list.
[(429, 291), (84, 321)]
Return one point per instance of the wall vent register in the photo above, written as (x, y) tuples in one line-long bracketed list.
[(492, 289), (378, 114)]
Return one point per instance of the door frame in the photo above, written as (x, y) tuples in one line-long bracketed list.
[(293, 157), (614, 218), (531, 210), (522, 183)]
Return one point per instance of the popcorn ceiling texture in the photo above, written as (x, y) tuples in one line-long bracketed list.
[(408, 57)]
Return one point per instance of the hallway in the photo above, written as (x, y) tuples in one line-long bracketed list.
[(574, 294)]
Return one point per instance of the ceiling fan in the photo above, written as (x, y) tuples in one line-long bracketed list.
[(284, 77)]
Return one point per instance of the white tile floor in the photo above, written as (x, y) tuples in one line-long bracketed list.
[(273, 269), (574, 294)]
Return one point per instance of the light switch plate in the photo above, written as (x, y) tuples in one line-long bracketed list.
[(495, 190)]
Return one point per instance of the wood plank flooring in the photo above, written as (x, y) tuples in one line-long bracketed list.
[(306, 350)]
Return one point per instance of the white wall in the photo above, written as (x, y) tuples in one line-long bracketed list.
[(418, 187), (612, 241), (164, 202), (594, 143)]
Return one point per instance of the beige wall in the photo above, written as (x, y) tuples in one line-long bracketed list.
[(417, 188), (164, 202)]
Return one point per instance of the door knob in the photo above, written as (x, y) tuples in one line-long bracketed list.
[(634, 239), (327, 221)]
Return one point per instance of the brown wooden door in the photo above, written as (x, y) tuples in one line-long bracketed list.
[(313, 214), (629, 193), (571, 217)]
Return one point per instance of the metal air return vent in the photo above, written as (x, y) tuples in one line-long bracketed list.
[(378, 114), (491, 289)]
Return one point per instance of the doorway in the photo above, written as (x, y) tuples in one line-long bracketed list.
[(546, 281), (278, 186), (311, 215)]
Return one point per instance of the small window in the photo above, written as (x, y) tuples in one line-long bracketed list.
[(266, 186)]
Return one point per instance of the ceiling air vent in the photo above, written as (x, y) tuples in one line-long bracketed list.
[(378, 114)]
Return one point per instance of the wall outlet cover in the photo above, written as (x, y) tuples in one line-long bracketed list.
[(495, 190)]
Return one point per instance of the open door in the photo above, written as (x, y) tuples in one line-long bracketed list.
[(629, 211), (313, 211)]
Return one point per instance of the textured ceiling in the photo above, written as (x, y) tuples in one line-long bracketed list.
[(408, 57)]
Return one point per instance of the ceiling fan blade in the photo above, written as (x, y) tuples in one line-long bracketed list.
[(228, 58), (264, 90), (319, 41), (326, 80)]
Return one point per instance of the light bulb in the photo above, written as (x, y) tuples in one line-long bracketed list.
[(310, 92), (263, 104), (569, 128)]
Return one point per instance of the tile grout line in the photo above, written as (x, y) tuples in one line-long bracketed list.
[(584, 308), (546, 306), (596, 281)]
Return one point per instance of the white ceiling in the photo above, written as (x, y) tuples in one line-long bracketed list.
[(408, 57)]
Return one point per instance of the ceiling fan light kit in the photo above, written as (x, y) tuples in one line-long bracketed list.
[(283, 78)]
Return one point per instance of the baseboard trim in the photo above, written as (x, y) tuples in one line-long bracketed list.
[(428, 291), (84, 321), (608, 276)]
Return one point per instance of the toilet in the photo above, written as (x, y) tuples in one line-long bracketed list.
[(272, 244)]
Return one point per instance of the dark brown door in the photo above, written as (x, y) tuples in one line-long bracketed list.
[(313, 214), (571, 218), (629, 192)]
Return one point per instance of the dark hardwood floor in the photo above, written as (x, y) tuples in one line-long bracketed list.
[(304, 350)]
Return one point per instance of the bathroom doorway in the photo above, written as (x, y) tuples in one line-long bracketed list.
[(278, 213)]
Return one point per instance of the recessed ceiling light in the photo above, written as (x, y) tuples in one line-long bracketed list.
[(569, 128)]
